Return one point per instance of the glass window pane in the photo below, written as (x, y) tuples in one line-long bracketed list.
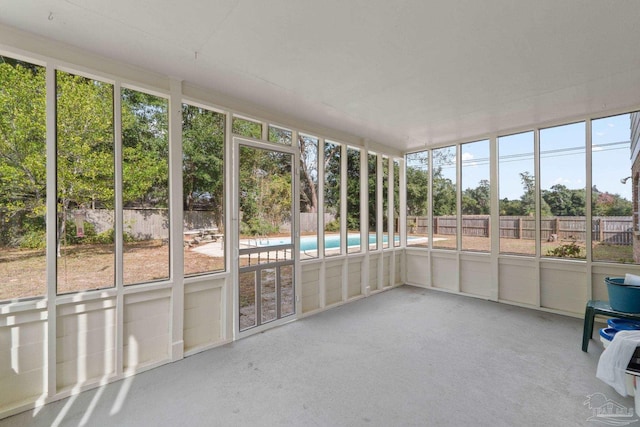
[(247, 128), (22, 179), (145, 187), (562, 199), (332, 174), (85, 183), (203, 190), (280, 135), (517, 195), (445, 226), (396, 203), (373, 201), (417, 176), (353, 200), (385, 202), (308, 146), (476, 190), (266, 197), (611, 191)]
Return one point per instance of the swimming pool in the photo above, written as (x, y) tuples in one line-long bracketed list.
[(310, 243)]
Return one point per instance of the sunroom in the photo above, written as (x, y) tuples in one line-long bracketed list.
[(175, 177)]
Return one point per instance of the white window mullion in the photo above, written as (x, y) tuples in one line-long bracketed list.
[(403, 217), (176, 249), (119, 229), (494, 203), (390, 219), (588, 213), (344, 244), (320, 196), (538, 192), (52, 224), (364, 219), (380, 219)]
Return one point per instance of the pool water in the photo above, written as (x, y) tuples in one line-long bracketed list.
[(310, 243)]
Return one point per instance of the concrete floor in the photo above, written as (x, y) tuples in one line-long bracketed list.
[(409, 356)]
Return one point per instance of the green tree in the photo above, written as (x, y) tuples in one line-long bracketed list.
[(353, 189), (372, 177), (246, 128), (265, 190), (85, 146), (203, 160), (332, 172), (385, 194), (607, 204), (444, 195), (476, 201), (511, 207), (145, 149), (444, 189), (563, 201), (22, 151), (528, 198), (308, 173), (417, 184)]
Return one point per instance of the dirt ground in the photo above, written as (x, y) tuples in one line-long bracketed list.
[(600, 252), (89, 267)]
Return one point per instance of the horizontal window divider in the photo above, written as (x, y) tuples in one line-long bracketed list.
[(147, 287), (265, 266), (209, 280), (85, 296), (22, 305)]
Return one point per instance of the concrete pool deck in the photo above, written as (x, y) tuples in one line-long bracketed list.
[(216, 249)]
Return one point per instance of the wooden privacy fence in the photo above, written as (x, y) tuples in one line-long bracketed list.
[(144, 224), (616, 230)]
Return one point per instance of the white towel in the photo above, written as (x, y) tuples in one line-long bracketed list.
[(615, 358), (631, 279)]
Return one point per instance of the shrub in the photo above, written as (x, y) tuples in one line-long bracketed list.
[(257, 226), (333, 225), (36, 239), (568, 250)]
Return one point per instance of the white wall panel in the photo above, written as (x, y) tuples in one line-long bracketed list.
[(310, 287), (417, 268), (398, 268), (333, 282), (518, 281), (386, 270), (373, 272), (355, 278), (146, 328), (85, 342), (445, 271), (563, 286), (475, 275), (202, 316), (22, 357)]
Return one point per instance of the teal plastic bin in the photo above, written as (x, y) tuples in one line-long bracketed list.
[(624, 298)]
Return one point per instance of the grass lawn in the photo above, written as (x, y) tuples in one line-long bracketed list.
[(89, 267), (600, 252)]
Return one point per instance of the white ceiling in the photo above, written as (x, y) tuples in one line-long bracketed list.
[(402, 73)]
